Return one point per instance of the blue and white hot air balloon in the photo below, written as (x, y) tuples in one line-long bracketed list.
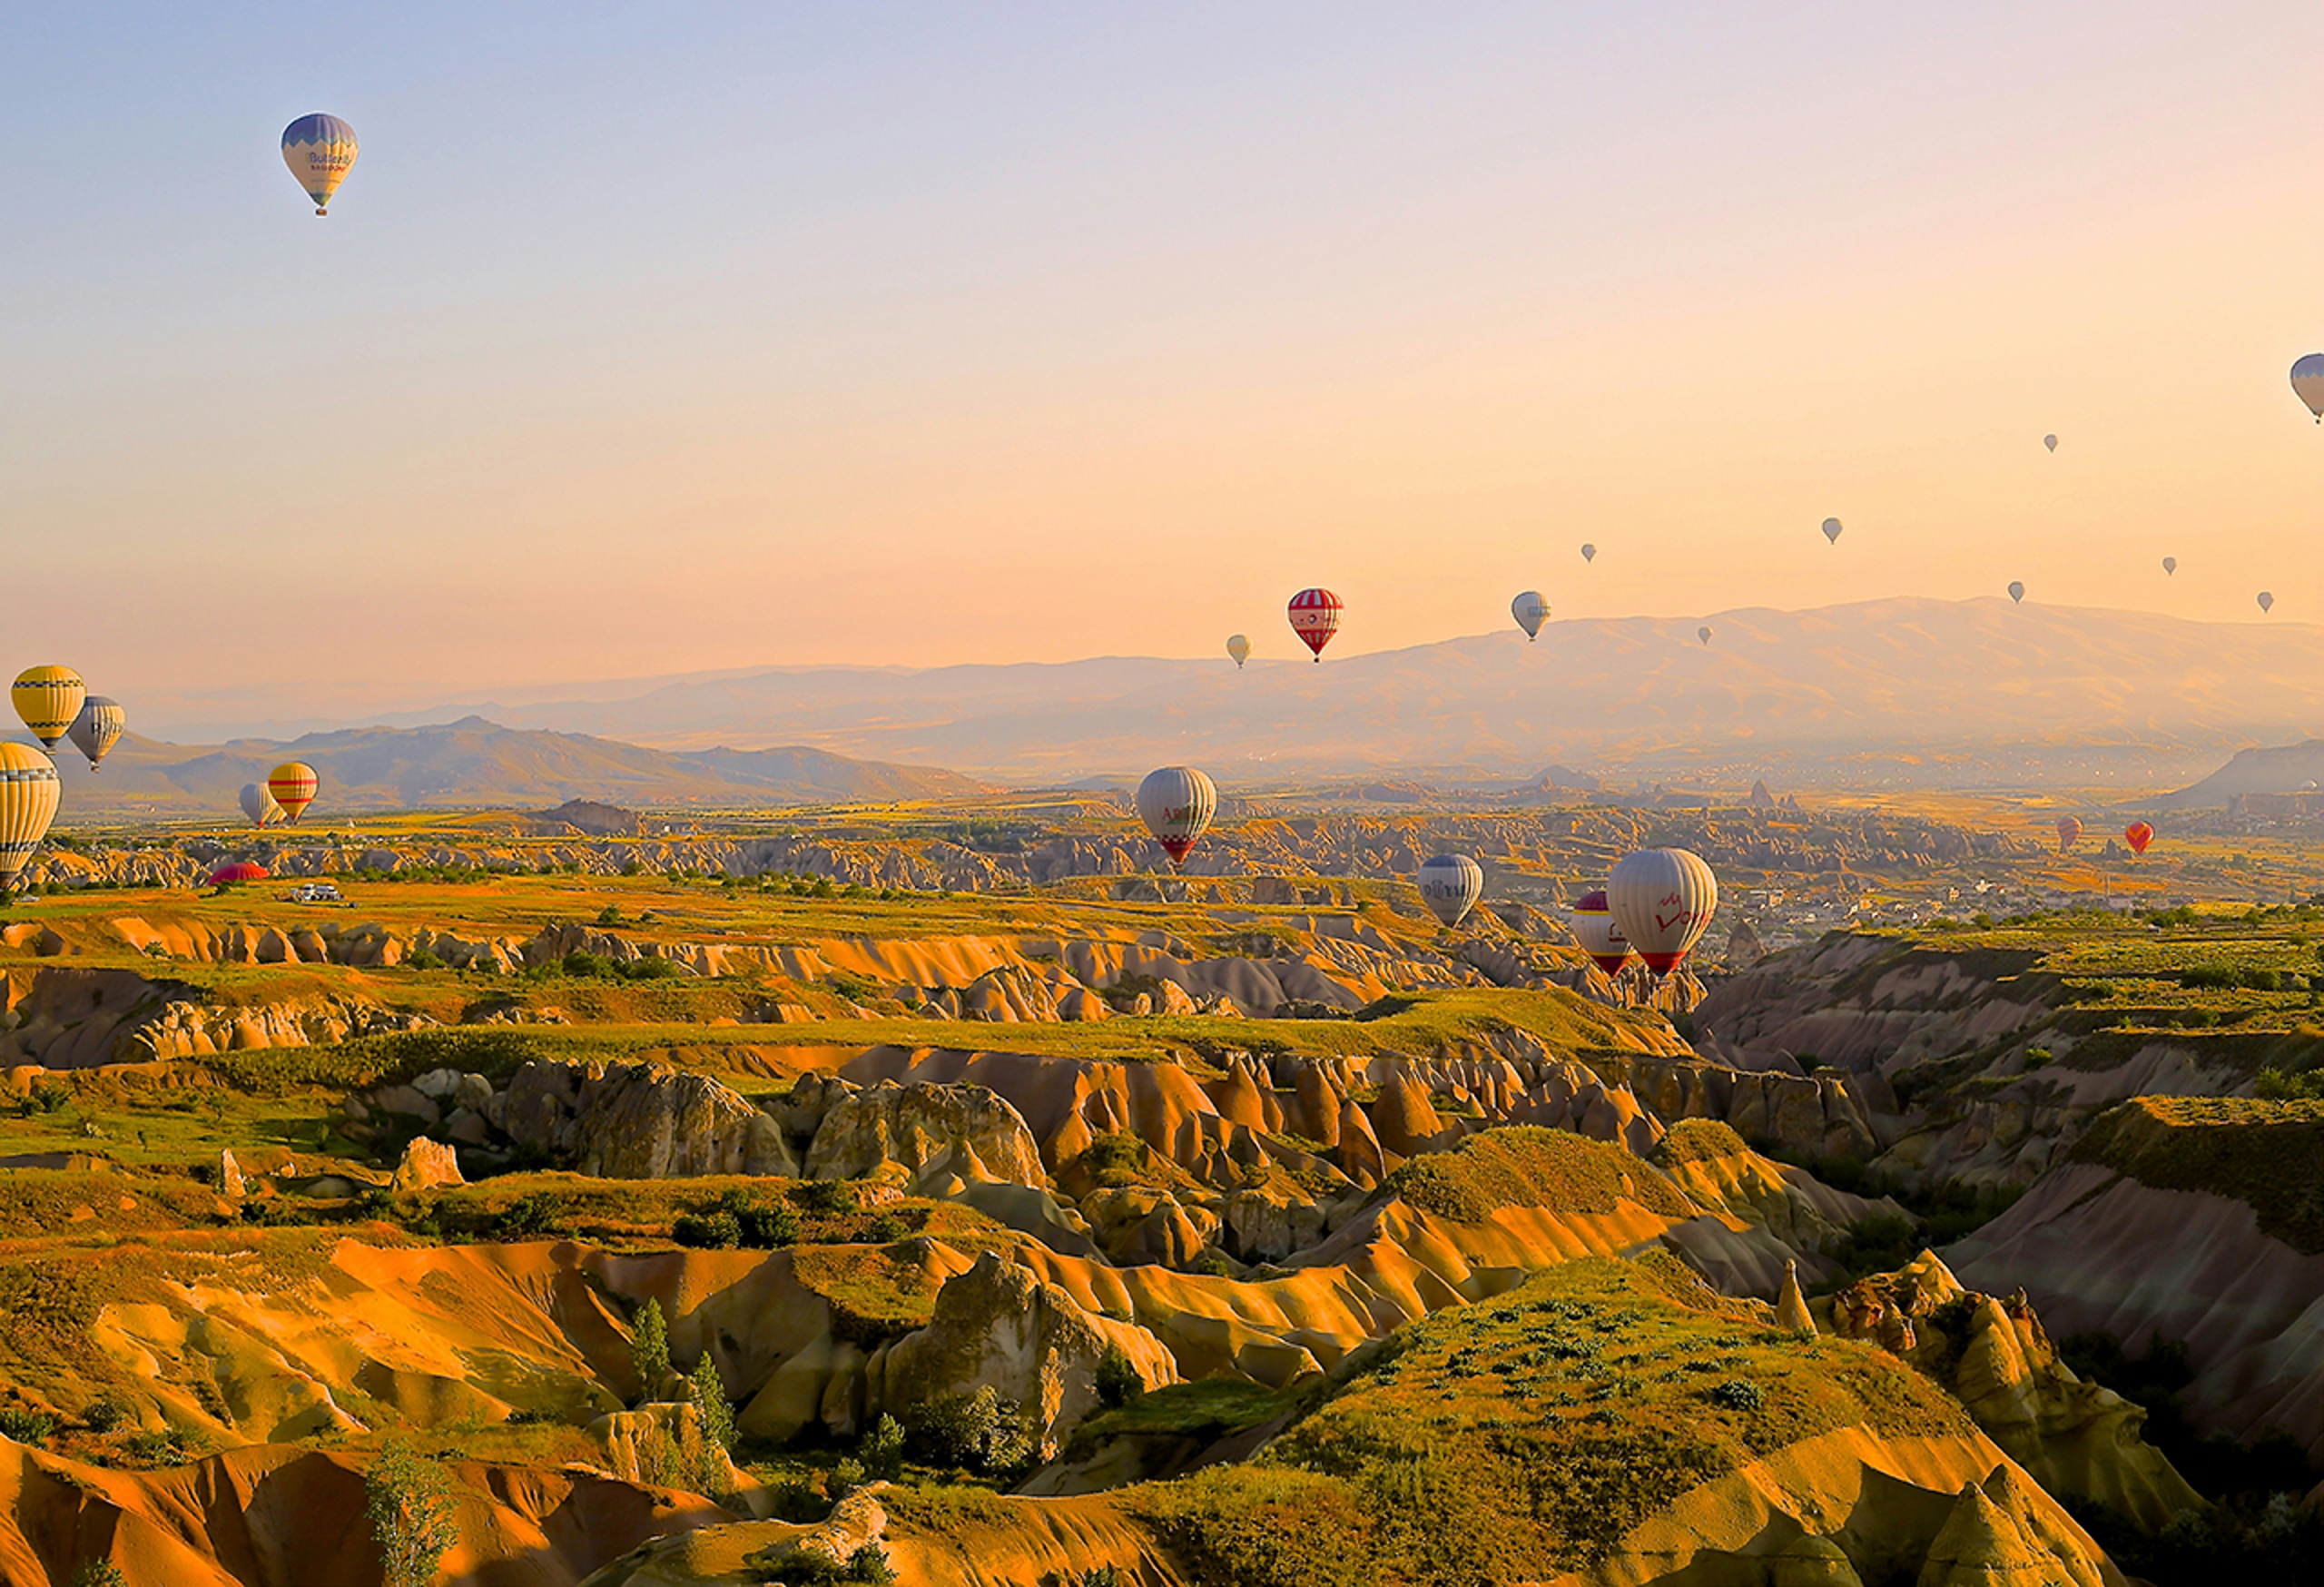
[(320, 150)]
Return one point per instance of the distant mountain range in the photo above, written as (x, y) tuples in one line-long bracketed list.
[(2296, 768), (473, 761)]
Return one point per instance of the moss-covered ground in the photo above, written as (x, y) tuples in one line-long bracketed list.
[(2267, 1154)]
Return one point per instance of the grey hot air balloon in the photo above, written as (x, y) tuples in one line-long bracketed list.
[(260, 806), (1832, 530), (1589, 552), (1177, 804), (2169, 564), (1703, 633), (2267, 601), (1451, 884), (97, 728), (2050, 442), (2308, 382), (1530, 610), (2017, 590)]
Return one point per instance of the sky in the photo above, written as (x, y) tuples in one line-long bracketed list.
[(649, 340)]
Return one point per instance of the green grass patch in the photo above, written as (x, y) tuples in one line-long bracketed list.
[(2269, 1155), (1523, 1166)]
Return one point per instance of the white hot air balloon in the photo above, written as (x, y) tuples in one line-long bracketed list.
[(2017, 590), (1532, 611), (1238, 645), (1589, 552), (260, 806), (2050, 442), (1451, 884), (1177, 804), (1594, 929), (2169, 564), (1662, 899), (97, 728), (1703, 633), (2267, 601), (1832, 531), (2308, 382)]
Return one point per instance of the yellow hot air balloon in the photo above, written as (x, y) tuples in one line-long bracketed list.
[(292, 784), (28, 792), (1238, 645), (48, 699)]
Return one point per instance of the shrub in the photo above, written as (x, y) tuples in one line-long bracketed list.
[(103, 1416), (1739, 1393), (826, 1197), (649, 1346), (23, 1426), (528, 1218), (409, 1502), (159, 1448), (99, 1573), (423, 959), (714, 1231), (1118, 1380), (609, 916), (50, 1097), (984, 1432), (766, 1226), (882, 1450), (1213, 1265), (846, 1476), (887, 1228)]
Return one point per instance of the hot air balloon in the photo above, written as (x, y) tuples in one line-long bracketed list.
[(1451, 884), (1530, 612), (1594, 927), (28, 792), (1832, 531), (97, 728), (2050, 442), (1238, 645), (259, 804), (293, 784), (320, 150), (2138, 834), (48, 699), (1662, 899), (1177, 804), (2169, 564), (2308, 382), (236, 870), (2069, 833), (1316, 617), (1703, 633), (2017, 590), (1589, 552), (2267, 601)]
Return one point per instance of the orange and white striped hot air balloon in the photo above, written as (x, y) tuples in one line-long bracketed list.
[(48, 699), (293, 784), (28, 794)]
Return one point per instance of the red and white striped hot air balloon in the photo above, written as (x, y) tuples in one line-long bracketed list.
[(1662, 899), (1592, 920), (1316, 617), (1177, 804)]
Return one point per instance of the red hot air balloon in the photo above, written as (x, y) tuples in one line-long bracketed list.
[(238, 871), (2069, 833), (2138, 834), (1600, 938), (1316, 617)]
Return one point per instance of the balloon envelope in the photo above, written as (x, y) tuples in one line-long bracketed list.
[(259, 804), (1316, 617), (1238, 645), (97, 728), (2170, 565), (1703, 633), (1530, 610), (2267, 601), (1589, 552), (28, 794), (293, 785), (1177, 804), (48, 699), (2069, 832), (2308, 382), (1451, 884), (1662, 899), (1832, 530), (1592, 920), (2050, 442), (2017, 590), (2138, 834), (238, 871), (320, 150)]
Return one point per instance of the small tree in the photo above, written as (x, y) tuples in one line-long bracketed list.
[(882, 1450), (1118, 1379), (407, 1499), (649, 1347), (99, 1573), (708, 1391)]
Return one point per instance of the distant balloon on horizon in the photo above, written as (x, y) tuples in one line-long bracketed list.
[(2307, 383), (1703, 633), (2138, 834), (1238, 645), (2050, 442), (1530, 610), (1315, 617), (2267, 601), (2170, 565), (2017, 590), (2069, 833), (1832, 531), (1589, 552)]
